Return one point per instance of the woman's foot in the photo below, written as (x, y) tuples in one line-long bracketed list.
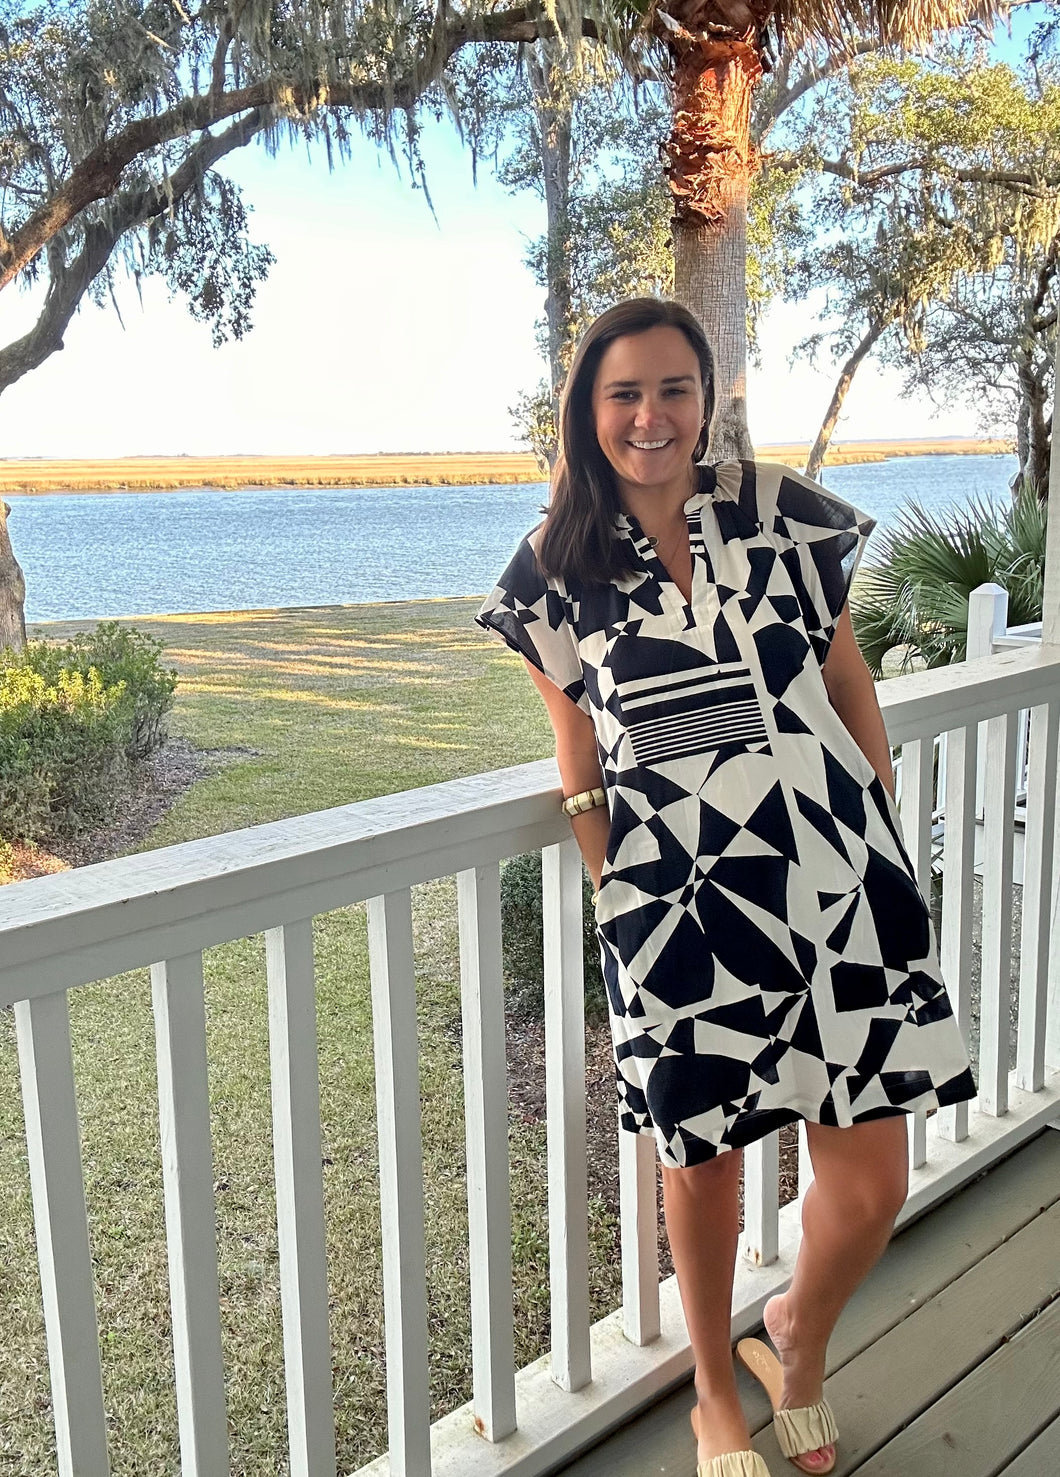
[(803, 1368), (719, 1425)]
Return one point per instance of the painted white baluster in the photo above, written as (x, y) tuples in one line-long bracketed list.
[(397, 1093), (995, 1005), (987, 623), (1038, 859), (486, 1128), (760, 1241), (958, 874), (568, 1208), (191, 1226), (639, 1221), (300, 1198), (54, 1148), (918, 804)]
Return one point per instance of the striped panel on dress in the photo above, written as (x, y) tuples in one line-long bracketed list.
[(670, 717)]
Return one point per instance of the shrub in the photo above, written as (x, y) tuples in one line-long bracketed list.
[(523, 936), (125, 657), (72, 716), (62, 755)]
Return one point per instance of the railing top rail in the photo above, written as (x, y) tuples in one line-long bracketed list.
[(73, 927), (922, 704), (70, 928)]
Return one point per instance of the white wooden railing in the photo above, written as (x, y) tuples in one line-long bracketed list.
[(164, 908)]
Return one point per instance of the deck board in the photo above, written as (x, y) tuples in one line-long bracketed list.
[(949, 1292), (1041, 1457), (1002, 1404)]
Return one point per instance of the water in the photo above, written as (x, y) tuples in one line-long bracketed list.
[(91, 555)]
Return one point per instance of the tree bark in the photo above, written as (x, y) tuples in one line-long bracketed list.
[(846, 375), (12, 591), (711, 162)]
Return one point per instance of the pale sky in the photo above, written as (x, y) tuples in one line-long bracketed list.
[(379, 329)]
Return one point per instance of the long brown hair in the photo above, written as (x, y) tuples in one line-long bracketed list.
[(577, 541)]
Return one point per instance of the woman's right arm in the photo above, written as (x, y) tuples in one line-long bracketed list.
[(579, 768)]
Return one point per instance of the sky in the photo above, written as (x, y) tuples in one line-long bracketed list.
[(381, 328)]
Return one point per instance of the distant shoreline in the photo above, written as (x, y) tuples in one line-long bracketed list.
[(30, 477)]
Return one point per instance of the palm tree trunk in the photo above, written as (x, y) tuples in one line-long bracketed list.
[(711, 162), (839, 394), (12, 591)]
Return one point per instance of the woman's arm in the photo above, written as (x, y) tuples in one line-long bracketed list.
[(852, 693), (579, 768)]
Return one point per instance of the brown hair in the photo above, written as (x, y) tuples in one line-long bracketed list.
[(577, 540)]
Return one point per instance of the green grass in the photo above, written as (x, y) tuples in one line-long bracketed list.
[(337, 705)]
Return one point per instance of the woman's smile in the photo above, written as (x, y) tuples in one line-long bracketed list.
[(648, 407)]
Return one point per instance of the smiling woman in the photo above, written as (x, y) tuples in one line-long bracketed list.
[(766, 952)]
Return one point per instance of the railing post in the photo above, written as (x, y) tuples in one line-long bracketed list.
[(61, 1222), (397, 1093), (987, 621), (191, 1218), (489, 1207), (295, 1080), (568, 1221)]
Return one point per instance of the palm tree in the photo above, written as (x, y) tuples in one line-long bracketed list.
[(913, 602), (718, 50)]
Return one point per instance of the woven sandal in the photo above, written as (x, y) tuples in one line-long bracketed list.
[(800, 1429)]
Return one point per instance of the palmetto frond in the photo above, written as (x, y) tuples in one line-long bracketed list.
[(915, 595), (899, 22)]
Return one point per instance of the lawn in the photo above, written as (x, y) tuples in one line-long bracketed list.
[(316, 708)]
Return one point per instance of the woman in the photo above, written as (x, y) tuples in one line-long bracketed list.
[(767, 954)]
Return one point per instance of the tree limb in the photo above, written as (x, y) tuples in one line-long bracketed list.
[(876, 329), (834, 62), (226, 33), (132, 208), (99, 173)]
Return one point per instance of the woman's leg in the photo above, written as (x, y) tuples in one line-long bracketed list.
[(702, 1223), (859, 1186)]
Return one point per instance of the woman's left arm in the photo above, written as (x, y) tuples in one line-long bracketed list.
[(852, 693)]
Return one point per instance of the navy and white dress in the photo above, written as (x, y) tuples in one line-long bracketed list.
[(766, 950)]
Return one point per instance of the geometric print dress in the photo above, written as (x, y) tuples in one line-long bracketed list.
[(766, 949)]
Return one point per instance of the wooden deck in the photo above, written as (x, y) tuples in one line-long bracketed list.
[(946, 1363)]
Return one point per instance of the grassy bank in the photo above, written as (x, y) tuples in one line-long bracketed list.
[(329, 706), (135, 474)]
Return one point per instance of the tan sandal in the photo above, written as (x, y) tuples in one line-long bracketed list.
[(800, 1429), (734, 1464), (730, 1463)]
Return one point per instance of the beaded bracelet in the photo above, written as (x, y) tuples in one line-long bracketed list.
[(587, 800)]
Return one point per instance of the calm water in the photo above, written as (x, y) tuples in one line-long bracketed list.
[(106, 554)]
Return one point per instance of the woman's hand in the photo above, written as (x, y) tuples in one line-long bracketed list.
[(852, 693), (579, 768)]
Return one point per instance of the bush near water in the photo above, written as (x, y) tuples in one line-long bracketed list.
[(72, 719)]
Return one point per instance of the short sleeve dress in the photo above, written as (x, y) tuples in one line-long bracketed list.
[(767, 953)]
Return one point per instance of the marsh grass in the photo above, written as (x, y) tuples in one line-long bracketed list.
[(327, 706)]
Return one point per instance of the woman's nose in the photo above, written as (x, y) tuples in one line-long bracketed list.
[(648, 412)]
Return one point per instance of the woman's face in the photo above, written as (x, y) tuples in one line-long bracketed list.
[(648, 410)]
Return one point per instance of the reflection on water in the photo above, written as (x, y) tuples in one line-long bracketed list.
[(104, 554)]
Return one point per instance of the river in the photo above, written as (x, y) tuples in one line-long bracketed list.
[(88, 555)]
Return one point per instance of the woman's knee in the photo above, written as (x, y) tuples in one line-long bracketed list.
[(867, 1171)]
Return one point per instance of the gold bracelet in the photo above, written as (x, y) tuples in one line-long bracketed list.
[(587, 800)]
